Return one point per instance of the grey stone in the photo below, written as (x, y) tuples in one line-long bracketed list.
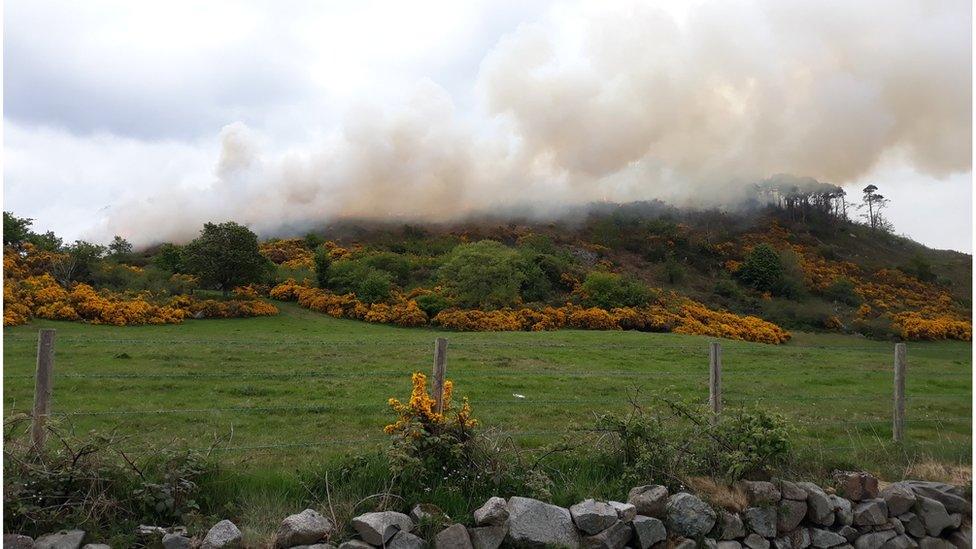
[(615, 536), (453, 537), (65, 539), (488, 537), (820, 510), (428, 512), (790, 490), (849, 532), (913, 524), (952, 497), (493, 513), (176, 541), (782, 543), (962, 538), (648, 531), (956, 519), (377, 528), (729, 526), (303, 528), (856, 485), (593, 517), (825, 538), (684, 543), (625, 511), (799, 538), (316, 546), (709, 543), (900, 541), (96, 546), (843, 511), (899, 497), (928, 542), (691, 517), (729, 545), (406, 540), (789, 514), (223, 534), (899, 527), (755, 541), (761, 520), (759, 493), (17, 541), (355, 544), (932, 514), (650, 500), (873, 540), (533, 523), (871, 512)]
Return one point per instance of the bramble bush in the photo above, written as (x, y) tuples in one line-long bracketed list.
[(675, 439)]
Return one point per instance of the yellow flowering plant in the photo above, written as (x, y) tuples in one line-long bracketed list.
[(431, 445)]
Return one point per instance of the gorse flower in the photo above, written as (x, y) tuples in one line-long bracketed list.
[(418, 417)]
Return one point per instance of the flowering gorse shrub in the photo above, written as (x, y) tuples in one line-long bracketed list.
[(427, 444), (672, 313), (27, 295), (914, 309)]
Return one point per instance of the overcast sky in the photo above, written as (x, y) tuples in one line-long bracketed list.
[(148, 118)]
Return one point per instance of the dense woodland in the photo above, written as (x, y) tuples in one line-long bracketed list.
[(791, 260)]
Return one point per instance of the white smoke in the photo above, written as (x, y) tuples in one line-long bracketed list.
[(620, 102)]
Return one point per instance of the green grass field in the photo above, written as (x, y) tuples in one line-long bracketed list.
[(286, 390)]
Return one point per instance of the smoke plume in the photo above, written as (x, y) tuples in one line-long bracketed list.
[(619, 103)]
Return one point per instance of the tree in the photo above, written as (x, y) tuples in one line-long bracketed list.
[(169, 258), (119, 248), (16, 230), (226, 255), (482, 274), (762, 269), (77, 265), (323, 260), (47, 242), (875, 202)]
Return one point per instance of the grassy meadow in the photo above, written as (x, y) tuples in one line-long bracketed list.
[(282, 400), (279, 391)]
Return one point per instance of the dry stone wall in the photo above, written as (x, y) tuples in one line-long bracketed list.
[(853, 513)]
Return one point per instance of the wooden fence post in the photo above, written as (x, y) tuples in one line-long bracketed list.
[(898, 417), (715, 379), (440, 367), (43, 382)]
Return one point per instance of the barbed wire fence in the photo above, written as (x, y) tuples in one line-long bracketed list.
[(730, 384)]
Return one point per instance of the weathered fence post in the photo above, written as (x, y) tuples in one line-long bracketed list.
[(43, 381), (898, 417), (440, 367), (715, 379)]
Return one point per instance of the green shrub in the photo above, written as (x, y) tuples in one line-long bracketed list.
[(666, 443), (483, 274), (375, 287), (727, 288), (433, 304), (323, 262), (609, 290), (841, 290), (674, 271), (762, 269)]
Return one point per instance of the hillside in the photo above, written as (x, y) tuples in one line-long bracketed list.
[(751, 275), (838, 275)]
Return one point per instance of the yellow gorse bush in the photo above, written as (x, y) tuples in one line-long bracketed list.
[(417, 417), (29, 291), (672, 314)]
